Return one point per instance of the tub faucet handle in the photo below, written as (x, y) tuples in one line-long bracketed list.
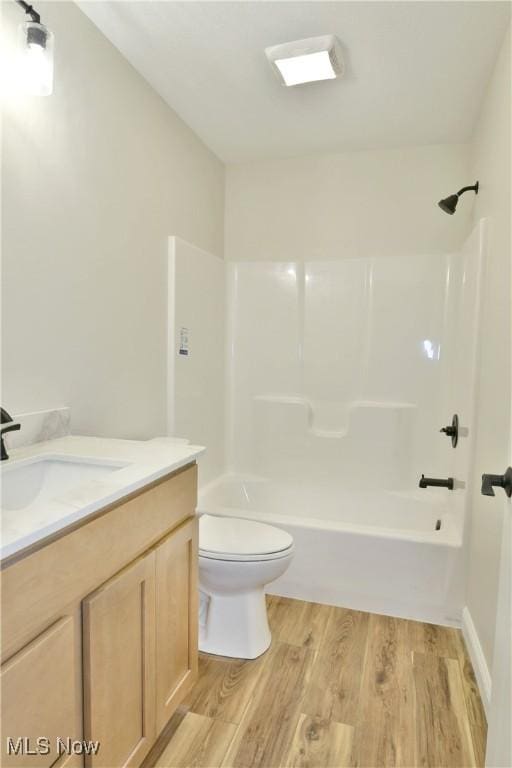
[(452, 430)]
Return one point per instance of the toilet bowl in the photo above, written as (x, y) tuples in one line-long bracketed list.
[(237, 558)]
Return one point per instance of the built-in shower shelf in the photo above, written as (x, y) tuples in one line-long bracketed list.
[(329, 419)]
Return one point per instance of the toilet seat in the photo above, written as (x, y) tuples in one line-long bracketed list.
[(235, 539)]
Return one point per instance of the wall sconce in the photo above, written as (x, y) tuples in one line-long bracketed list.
[(35, 53)]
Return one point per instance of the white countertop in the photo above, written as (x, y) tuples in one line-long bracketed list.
[(135, 463)]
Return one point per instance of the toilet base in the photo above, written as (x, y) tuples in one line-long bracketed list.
[(234, 625)]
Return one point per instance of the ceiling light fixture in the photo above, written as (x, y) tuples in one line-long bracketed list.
[(35, 53), (307, 61)]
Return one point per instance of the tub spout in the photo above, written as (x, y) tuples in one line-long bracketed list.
[(438, 482)]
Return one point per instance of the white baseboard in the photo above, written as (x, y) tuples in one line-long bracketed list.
[(476, 654)]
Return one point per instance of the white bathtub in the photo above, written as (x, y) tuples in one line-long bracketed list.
[(386, 552)]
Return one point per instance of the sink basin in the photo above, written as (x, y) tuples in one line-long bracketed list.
[(39, 480)]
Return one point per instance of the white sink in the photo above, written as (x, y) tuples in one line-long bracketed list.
[(35, 481)]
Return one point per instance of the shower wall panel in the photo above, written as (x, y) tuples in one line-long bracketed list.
[(337, 369)]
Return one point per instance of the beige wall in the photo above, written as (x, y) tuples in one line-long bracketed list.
[(491, 165), (371, 203), (95, 178)]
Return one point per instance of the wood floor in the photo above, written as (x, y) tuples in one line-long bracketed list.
[(337, 688)]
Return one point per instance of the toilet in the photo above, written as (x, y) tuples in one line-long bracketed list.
[(237, 558)]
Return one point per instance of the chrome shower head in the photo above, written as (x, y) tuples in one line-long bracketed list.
[(449, 204)]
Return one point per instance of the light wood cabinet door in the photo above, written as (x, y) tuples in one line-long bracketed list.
[(41, 698), (119, 666), (176, 618)]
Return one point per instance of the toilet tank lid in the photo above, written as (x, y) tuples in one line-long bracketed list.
[(234, 536)]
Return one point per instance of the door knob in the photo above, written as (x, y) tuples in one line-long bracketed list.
[(489, 482)]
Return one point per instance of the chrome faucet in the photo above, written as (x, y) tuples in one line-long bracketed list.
[(11, 427)]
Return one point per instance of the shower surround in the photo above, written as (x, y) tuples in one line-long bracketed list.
[(340, 375), (337, 368)]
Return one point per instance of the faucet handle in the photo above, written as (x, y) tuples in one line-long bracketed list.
[(452, 430), (10, 427), (4, 416)]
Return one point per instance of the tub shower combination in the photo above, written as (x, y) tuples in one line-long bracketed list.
[(341, 375), (381, 551)]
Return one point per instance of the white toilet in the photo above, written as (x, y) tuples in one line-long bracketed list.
[(237, 558)]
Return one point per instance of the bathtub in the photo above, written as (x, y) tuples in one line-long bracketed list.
[(393, 553)]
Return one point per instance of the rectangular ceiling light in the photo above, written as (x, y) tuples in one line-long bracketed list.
[(307, 61)]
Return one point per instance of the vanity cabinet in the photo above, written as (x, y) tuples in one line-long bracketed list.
[(140, 649), (99, 630), (119, 666), (176, 619), (40, 683)]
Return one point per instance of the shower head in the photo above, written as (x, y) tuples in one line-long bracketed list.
[(449, 204)]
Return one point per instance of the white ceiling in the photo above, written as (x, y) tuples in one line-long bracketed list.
[(415, 71)]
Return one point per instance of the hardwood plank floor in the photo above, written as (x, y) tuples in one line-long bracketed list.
[(334, 690), (337, 689), (318, 742), (268, 724), (199, 741), (474, 707), (297, 622), (224, 687), (443, 731), (384, 733)]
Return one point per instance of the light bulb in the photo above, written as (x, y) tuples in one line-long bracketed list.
[(36, 58)]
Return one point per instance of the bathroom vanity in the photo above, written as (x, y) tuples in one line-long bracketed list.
[(99, 615)]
